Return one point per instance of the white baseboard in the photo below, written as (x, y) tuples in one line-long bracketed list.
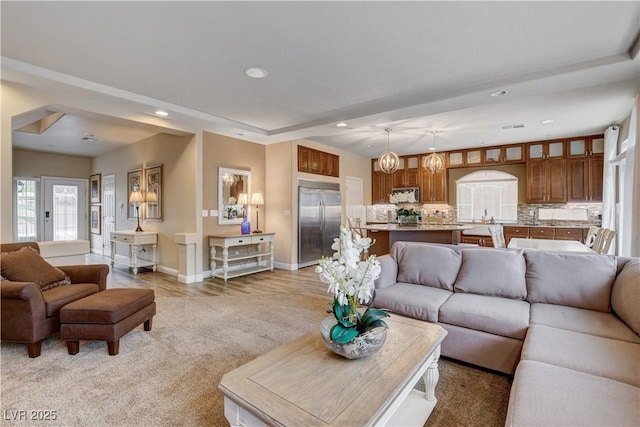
[(284, 266), (194, 278), (167, 270)]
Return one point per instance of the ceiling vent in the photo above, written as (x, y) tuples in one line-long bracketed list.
[(511, 127)]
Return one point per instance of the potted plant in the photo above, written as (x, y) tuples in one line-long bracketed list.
[(351, 332), (407, 216)]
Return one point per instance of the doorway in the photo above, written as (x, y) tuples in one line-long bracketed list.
[(354, 199), (64, 209)]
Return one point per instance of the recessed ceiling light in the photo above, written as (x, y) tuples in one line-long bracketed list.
[(432, 148), (499, 93), (547, 121), (161, 113), (341, 125), (256, 73), (369, 145)]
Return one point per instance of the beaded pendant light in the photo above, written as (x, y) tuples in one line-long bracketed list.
[(388, 161), (434, 162)]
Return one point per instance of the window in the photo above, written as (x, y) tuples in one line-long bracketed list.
[(26, 213), (492, 192)]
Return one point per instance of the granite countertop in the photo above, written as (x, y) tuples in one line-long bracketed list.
[(419, 227)]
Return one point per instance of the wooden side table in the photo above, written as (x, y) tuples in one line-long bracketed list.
[(256, 250), (134, 239)]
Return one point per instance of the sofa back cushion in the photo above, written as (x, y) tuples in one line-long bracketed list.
[(625, 295), (425, 264), (493, 272), (26, 265), (574, 280)]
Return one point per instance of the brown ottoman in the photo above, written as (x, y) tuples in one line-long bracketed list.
[(106, 316)]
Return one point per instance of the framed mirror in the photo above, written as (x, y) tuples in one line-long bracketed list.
[(233, 195)]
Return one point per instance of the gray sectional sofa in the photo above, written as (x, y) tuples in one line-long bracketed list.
[(565, 325)]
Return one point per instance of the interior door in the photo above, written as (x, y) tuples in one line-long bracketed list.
[(64, 209), (108, 211)]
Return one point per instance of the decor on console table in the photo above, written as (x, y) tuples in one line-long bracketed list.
[(351, 281)]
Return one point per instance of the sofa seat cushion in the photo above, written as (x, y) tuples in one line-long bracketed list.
[(419, 302), (604, 357), (575, 280), (494, 272), (625, 295), (56, 298), (424, 264), (546, 395), (591, 322), (500, 316)]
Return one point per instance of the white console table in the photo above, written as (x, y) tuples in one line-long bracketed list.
[(248, 253), (134, 239)]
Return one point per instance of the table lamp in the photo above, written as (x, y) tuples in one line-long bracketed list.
[(257, 199), (137, 198)]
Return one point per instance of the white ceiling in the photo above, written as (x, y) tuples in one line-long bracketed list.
[(410, 66)]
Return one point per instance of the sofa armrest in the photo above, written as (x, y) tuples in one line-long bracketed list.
[(388, 272), (22, 311), (92, 273)]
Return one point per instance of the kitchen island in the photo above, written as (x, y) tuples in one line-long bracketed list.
[(386, 235)]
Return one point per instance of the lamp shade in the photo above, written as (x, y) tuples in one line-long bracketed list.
[(257, 199), (243, 198), (136, 197)]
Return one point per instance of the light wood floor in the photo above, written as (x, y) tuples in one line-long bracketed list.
[(304, 281)]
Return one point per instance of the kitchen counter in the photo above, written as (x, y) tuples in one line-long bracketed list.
[(386, 235), (418, 227)]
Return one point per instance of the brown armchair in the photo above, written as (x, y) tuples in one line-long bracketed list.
[(30, 314)]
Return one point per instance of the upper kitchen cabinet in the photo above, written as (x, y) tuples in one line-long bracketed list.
[(318, 162), (408, 173), (546, 150), (381, 184), (433, 187), (504, 154), (547, 181), (471, 157), (585, 147)]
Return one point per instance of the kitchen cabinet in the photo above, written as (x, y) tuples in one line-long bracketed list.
[(408, 173), (546, 172), (542, 233), (318, 162), (584, 179), (381, 184), (504, 154), (546, 150), (484, 241), (585, 146), (433, 187), (455, 159), (585, 167), (472, 157), (570, 234), (511, 231), (550, 233)]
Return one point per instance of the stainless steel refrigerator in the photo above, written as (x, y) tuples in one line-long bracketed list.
[(319, 215)]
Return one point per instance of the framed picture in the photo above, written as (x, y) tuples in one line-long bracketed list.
[(153, 193), (134, 183), (95, 188), (96, 219)]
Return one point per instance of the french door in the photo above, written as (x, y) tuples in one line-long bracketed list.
[(64, 209)]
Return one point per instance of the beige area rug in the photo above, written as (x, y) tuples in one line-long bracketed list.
[(169, 376)]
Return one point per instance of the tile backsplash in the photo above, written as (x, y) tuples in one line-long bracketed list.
[(546, 214)]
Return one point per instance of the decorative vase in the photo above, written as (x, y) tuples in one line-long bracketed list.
[(361, 346), (245, 227)]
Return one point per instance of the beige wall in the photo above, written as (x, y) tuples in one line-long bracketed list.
[(519, 170), (282, 177), (223, 151), (176, 154), (28, 163)]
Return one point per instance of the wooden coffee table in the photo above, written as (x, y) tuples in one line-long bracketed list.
[(304, 383)]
